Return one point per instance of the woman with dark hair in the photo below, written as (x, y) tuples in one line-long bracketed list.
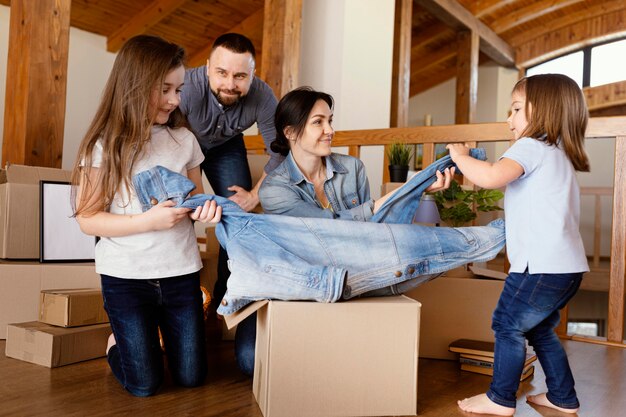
[(313, 181)]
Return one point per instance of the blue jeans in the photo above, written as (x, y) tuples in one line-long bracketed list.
[(226, 165), (529, 309), (137, 308)]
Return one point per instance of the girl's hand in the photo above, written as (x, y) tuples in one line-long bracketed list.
[(165, 216), (457, 149), (443, 180), (210, 212)]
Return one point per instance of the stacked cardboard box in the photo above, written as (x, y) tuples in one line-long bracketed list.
[(19, 209), (354, 358), (455, 308), (73, 328), (21, 284), (21, 278)]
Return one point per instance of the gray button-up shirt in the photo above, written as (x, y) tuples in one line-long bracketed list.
[(214, 124)]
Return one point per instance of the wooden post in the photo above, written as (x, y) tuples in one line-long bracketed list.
[(281, 45), (617, 276), (401, 72), (34, 110), (467, 77)]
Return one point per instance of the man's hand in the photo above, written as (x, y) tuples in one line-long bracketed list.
[(247, 200)]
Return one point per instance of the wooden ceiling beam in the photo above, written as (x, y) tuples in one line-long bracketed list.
[(142, 22), (245, 27), (424, 64), (596, 10), (528, 13), (456, 16), (583, 32)]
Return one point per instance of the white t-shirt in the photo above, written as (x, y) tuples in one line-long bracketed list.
[(158, 254), (542, 209)]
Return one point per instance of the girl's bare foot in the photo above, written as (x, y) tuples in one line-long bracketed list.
[(481, 404), (541, 399), (110, 343)]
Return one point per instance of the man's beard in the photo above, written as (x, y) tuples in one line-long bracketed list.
[(227, 100)]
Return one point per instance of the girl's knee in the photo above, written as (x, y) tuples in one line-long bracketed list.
[(145, 388)]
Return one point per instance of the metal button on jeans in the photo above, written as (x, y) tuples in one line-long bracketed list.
[(154, 201), (398, 274)]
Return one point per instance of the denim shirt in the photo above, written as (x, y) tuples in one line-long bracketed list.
[(287, 191), (292, 258)]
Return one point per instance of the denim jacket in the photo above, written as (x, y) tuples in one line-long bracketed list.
[(292, 258), (286, 190)]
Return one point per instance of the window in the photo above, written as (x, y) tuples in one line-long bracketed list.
[(604, 67), (570, 65), (590, 66)]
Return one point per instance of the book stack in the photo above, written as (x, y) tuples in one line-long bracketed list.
[(477, 356)]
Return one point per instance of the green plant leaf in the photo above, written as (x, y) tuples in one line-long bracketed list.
[(456, 205)]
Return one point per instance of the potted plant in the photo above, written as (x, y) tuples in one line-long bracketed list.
[(458, 207), (399, 155)]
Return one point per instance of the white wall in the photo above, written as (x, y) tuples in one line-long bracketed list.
[(343, 55), (89, 65)]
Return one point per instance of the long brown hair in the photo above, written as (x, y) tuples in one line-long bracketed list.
[(124, 118), (556, 108)]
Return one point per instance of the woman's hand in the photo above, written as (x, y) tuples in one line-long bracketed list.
[(210, 212), (443, 180)]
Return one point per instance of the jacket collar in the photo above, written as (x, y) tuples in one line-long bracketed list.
[(296, 176)]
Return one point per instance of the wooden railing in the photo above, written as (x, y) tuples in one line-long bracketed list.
[(471, 134)]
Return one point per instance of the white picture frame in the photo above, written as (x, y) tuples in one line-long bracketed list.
[(61, 239)]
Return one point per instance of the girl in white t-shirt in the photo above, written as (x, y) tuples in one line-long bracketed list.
[(542, 205), (148, 262)]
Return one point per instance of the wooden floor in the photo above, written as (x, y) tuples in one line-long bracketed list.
[(89, 388)]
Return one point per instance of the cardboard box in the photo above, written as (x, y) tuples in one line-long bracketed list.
[(354, 358), (21, 284), (455, 308), (54, 346), (19, 209), (71, 308)]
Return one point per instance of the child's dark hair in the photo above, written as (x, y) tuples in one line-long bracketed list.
[(556, 107), (292, 112)]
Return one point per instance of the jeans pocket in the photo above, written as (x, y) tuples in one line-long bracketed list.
[(549, 292)]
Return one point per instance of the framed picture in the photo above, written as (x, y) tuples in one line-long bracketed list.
[(60, 238)]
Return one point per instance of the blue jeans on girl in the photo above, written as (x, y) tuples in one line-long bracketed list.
[(529, 309), (137, 308)]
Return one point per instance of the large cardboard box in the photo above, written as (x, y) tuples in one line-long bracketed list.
[(54, 346), (21, 284), (71, 308), (455, 308), (19, 209), (354, 358)]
